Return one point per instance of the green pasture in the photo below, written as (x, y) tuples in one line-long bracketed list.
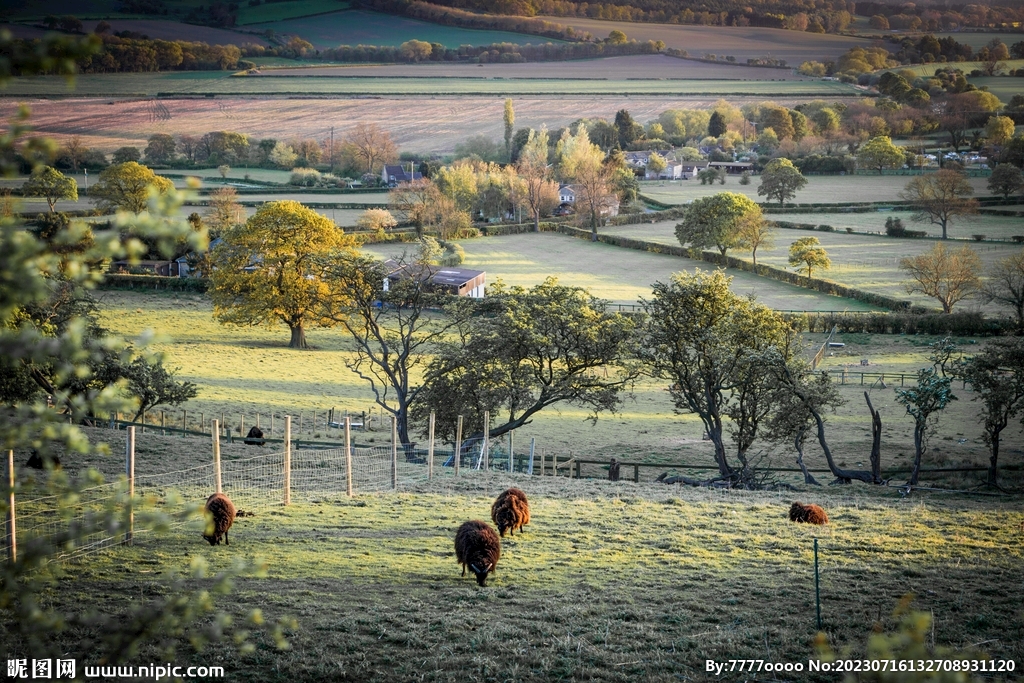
[(249, 371), (213, 83), (619, 275), (870, 262), (1003, 87), (992, 227), (819, 189), (281, 11), (361, 27), (609, 582), (966, 67)]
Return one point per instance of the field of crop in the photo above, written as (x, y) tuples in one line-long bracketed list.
[(740, 42), (610, 582), (870, 262), (822, 188), (417, 124), (160, 29), (218, 83), (634, 68), (359, 27)]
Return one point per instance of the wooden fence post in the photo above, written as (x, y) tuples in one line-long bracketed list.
[(533, 445), (271, 424), (458, 444), (12, 544), (485, 446), (348, 456), (129, 466), (241, 425), (510, 468), (636, 473), (143, 421), (215, 434), (430, 447), (394, 452), (184, 423), (287, 459), (163, 424)]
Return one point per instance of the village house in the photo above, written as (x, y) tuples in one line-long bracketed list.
[(395, 175), (732, 167)]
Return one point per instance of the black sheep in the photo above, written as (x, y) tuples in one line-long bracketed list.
[(254, 437), (477, 546), (222, 514), (510, 511)]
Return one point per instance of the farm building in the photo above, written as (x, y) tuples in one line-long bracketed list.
[(165, 268), (732, 167), (396, 175), (457, 281), (690, 169)]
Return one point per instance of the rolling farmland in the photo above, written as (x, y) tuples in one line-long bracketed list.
[(740, 42), (359, 27), (417, 124)]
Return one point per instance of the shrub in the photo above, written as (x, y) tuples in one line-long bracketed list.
[(978, 238), (1019, 239), (894, 227), (304, 177), (826, 228), (849, 231)]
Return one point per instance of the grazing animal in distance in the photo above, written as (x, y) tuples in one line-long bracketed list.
[(613, 470), (222, 516), (254, 437), (812, 514), (38, 462), (510, 511), (478, 547)]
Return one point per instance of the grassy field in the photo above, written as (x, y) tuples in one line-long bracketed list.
[(251, 370), (108, 123), (221, 83), (870, 262), (740, 42), (635, 68), (967, 68), (823, 189), (619, 275), (993, 227), (359, 27), (1003, 87), (610, 582), (280, 11)]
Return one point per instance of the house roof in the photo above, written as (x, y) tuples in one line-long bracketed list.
[(439, 275)]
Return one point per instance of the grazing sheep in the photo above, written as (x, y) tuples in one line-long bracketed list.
[(477, 546), (613, 470), (37, 462), (510, 511), (254, 437), (812, 514), (222, 512)]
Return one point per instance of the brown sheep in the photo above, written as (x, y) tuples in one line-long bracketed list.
[(222, 515), (510, 511), (478, 547), (812, 514)]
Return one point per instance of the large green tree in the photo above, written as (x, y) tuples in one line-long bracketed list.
[(1005, 286), (807, 254), (711, 345), (1006, 179), (780, 180), (931, 395), (880, 154), (128, 187), (267, 270), (50, 184), (715, 221), (540, 193), (527, 350)]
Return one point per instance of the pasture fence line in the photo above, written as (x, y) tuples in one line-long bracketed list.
[(257, 483)]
